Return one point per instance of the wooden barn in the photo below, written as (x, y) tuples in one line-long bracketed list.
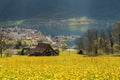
[(43, 49)]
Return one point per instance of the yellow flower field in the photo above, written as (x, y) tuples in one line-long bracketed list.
[(60, 68)]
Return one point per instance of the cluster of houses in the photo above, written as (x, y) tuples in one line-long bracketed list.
[(45, 43), (21, 33), (18, 33)]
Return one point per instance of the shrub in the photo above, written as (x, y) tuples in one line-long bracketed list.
[(8, 53)]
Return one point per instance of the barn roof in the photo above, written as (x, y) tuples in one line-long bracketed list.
[(41, 47)]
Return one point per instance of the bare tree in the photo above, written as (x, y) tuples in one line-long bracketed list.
[(95, 41), (92, 42), (80, 45), (2, 39), (116, 28), (4, 36), (111, 39), (89, 42), (103, 41)]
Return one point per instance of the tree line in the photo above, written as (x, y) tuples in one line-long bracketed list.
[(95, 42)]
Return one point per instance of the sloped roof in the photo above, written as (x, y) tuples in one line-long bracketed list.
[(41, 47)]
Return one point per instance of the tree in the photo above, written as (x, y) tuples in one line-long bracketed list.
[(90, 42), (116, 28), (95, 41), (111, 39), (4, 38), (80, 45), (103, 41), (18, 44), (2, 41)]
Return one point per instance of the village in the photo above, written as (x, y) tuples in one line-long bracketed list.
[(25, 39)]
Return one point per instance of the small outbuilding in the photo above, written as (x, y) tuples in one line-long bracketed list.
[(80, 52)]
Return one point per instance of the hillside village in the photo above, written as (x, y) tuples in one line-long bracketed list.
[(24, 34)]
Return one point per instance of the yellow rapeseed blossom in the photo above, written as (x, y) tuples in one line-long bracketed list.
[(60, 68)]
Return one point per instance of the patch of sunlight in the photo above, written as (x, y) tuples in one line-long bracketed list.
[(19, 22)]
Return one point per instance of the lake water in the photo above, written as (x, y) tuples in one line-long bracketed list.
[(71, 43)]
